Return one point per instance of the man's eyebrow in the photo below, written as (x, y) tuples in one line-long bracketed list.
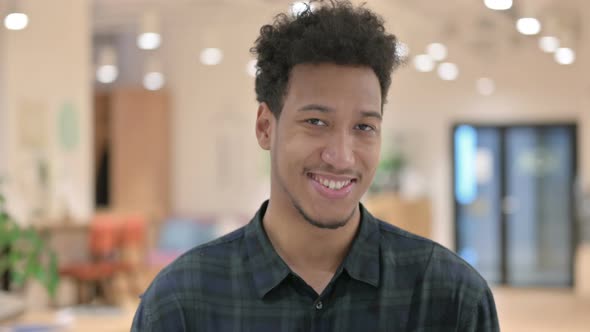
[(372, 114), (316, 107), (327, 109)]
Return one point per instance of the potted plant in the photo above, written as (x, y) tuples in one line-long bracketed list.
[(23, 256), (389, 171)]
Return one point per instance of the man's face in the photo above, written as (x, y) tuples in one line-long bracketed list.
[(325, 146)]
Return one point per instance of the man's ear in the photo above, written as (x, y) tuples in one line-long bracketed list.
[(264, 125)]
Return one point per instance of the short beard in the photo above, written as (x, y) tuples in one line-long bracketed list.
[(330, 225), (335, 224)]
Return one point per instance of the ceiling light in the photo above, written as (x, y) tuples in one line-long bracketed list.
[(16, 21), (485, 86), (211, 56), (402, 50), (528, 26), (565, 56), (149, 37), (149, 40), (107, 74), (251, 68), (153, 81), (498, 4), (107, 71), (548, 44), (298, 7), (448, 71), (423, 63), (437, 51)]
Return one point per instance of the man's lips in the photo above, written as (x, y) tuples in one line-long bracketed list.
[(332, 186)]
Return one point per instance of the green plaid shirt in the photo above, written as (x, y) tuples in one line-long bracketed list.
[(391, 280)]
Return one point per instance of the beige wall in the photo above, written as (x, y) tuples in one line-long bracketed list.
[(45, 67), (216, 101), (3, 114), (216, 159)]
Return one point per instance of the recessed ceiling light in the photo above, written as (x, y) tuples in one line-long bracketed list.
[(528, 26), (251, 68), (437, 51), (548, 44), (423, 63), (485, 86), (211, 56), (498, 4), (565, 56), (107, 74), (153, 81), (402, 50), (448, 71), (149, 41), (16, 21)]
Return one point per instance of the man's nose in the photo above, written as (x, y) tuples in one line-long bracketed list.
[(338, 152)]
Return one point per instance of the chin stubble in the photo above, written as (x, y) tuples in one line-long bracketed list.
[(323, 225)]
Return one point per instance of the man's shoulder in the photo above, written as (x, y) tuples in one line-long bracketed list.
[(216, 256), (442, 284), (438, 262), (403, 246)]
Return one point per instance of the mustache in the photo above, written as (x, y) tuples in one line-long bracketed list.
[(332, 170)]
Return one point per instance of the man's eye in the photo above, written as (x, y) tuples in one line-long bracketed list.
[(366, 127), (316, 122)]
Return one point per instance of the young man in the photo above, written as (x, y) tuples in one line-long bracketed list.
[(313, 259)]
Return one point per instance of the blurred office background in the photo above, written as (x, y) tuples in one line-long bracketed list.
[(127, 137)]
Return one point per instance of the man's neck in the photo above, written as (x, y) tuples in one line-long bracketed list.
[(304, 247)]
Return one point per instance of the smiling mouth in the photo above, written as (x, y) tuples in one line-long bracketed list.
[(332, 183)]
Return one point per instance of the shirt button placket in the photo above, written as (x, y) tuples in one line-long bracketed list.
[(319, 305), (316, 322)]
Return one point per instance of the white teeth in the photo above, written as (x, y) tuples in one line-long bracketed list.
[(334, 185)]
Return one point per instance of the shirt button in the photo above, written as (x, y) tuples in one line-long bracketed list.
[(319, 305)]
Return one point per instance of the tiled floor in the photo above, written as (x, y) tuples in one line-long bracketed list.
[(523, 310)]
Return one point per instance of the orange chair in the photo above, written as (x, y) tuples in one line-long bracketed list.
[(104, 261), (133, 231), (133, 247)]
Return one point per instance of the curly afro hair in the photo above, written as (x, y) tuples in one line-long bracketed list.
[(336, 32)]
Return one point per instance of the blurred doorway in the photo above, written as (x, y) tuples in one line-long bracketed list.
[(514, 204), (102, 151), (132, 151)]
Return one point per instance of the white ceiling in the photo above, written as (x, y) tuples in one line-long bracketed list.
[(469, 29), (448, 17)]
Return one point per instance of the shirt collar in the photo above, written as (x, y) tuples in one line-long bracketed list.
[(362, 261), (269, 270)]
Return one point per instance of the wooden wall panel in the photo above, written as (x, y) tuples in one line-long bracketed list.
[(411, 215), (140, 124)]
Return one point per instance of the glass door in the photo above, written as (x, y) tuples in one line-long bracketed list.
[(513, 190)]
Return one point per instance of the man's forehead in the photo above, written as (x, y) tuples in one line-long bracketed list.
[(334, 81)]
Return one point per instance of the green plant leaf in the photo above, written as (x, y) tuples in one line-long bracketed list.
[(53, 277), (4, 264), (18, 277), (15, 256), (29, 256), (9, 235)]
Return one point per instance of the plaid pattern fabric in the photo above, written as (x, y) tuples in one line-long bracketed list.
[(390, 280)]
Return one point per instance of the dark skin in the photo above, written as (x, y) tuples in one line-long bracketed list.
[(325, 148)]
